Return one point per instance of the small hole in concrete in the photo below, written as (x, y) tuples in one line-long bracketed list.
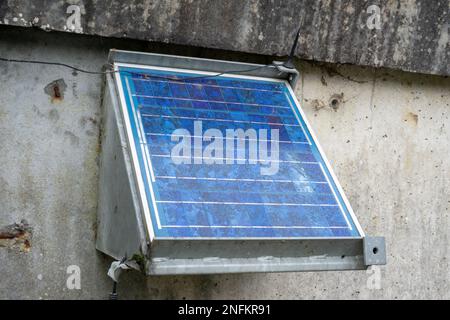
[(334, 104), (375, 250), (343, 256), (335, 101), (56, 92)]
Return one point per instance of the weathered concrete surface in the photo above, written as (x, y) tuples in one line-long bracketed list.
[(387, 138), (16, 236), (411, 35)]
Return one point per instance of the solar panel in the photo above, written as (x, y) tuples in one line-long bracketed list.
[(228, 157)]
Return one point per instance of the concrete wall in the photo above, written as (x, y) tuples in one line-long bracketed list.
[(387, 137), (411, 35)]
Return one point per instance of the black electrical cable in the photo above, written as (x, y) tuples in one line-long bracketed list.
[(114, 295), (55, 64), (289, 63), (133, 73)]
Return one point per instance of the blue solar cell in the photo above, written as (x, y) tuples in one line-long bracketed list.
[(191, 198)]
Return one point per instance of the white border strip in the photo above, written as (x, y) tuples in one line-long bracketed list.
[(218, 120), (242, 179), (224, 138), (336, 198), (206, 85), (325, 160), (145, 152), (296, 116), (134, 158), (145, 67), (256, 227), (268, 204), (212, 101), (233, 159)]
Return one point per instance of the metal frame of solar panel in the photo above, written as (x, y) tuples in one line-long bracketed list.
[(193, 217)]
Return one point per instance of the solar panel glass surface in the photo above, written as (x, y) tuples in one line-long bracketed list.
[(232, 197)]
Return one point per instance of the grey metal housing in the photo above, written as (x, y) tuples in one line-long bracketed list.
[(121, 230)]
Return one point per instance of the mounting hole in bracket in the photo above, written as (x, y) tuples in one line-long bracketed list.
[(375, 250)]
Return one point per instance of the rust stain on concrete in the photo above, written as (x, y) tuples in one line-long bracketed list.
[(16, 236), (55, 90), (412, 118)]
